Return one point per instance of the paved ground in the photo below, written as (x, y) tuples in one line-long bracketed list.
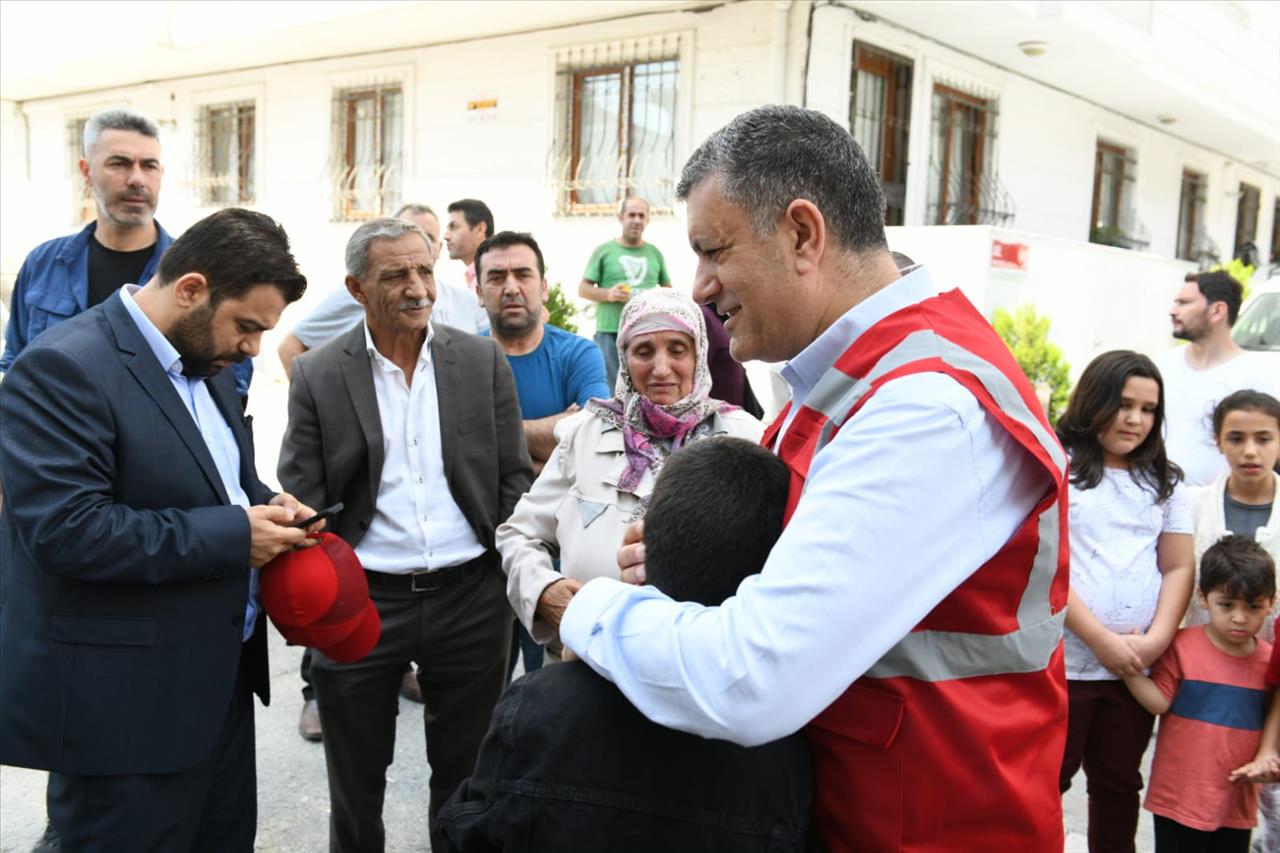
[(293, 798)]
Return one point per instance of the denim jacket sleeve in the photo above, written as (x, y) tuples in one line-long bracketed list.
[(15, 334)]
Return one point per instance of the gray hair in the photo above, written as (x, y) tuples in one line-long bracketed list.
[(357, 254), (768, 157), (414, 209), (116, 119)]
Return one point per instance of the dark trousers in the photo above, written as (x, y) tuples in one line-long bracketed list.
[(308, 692), (522, 641), (212, 806), (1107, 731), (459, 636), (607, 342), (1173, 837)]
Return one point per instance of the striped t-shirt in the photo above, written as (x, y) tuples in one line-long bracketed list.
[(1212, 727)]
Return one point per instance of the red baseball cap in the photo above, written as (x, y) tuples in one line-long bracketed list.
[(319, 597)]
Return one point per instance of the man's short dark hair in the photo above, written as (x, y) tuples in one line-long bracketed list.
[(715, 513), (505, 240), (769, 157), (1220, 286), (475, 212), (1235, 566), (235, 250)]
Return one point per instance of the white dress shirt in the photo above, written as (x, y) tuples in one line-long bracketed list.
[(913, 495), (213, 427), (416, 524)]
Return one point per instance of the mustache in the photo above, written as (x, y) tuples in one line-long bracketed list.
[(410, 304)]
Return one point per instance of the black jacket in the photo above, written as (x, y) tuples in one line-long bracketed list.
[(570, 765)]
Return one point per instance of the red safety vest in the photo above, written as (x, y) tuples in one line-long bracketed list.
[(953, 740)]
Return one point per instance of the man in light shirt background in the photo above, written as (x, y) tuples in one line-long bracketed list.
[(470, 224), (1208, 368)]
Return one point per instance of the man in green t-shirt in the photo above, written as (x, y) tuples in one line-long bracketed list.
[(618, 269)]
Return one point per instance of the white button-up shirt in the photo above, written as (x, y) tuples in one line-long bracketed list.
[(213, 427), (416, 524), (915, 493)]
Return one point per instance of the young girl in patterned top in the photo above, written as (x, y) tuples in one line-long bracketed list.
[(1131, 575)]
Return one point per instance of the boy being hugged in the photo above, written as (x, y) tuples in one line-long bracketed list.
[(1209, 688)]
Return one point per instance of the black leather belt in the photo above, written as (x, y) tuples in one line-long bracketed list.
[(429, 581)]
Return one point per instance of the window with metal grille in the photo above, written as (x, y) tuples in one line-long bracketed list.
[(1191, 238), (963, 189), (616, 125), (368, 145), (1112, 221), (880, 119), (83, 208), (226, 153), (1247, 215)]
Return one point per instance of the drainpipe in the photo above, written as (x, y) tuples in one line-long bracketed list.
[(26, 139), (781, 49)]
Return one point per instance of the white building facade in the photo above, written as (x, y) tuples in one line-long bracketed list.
[(1101, 150)]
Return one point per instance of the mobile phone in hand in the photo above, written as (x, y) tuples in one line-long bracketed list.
[(323, 515)]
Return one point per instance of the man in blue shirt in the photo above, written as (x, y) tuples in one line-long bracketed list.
[(123, 245), (556, 372)]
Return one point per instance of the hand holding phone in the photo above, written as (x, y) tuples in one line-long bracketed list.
[(323, 515)]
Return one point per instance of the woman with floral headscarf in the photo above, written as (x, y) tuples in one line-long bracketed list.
[(602, 472)]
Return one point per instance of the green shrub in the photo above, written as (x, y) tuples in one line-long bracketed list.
[(1027, 336), (562, 309)]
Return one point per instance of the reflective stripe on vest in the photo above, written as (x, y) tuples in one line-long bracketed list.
[(930, 655)]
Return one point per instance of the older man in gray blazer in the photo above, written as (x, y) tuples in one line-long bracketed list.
[(416, 428)]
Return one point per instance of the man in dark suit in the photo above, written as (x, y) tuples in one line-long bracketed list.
[(129, 637), (415, 428)]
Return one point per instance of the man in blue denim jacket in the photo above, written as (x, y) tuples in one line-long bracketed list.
[(123, 245)]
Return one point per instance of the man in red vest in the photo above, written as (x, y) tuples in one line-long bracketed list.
[(909, 619)]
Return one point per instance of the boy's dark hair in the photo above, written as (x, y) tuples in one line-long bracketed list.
[(714, 514), (474, 211), (1092, 407), (505, 240), (235, 250), (1220, 286), (1237, 567)]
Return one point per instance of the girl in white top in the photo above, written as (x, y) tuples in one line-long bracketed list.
[(1132, 569), (1246, 428)]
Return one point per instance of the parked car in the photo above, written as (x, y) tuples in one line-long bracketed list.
[(1258, 326)]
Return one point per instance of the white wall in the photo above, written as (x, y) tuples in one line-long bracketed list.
[(1098, 298), (451, 155), (1046, 140)]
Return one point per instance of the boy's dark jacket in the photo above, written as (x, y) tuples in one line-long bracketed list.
[(570, 765)]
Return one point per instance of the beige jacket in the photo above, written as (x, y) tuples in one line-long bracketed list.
[(576, 511), (1211, 525)]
